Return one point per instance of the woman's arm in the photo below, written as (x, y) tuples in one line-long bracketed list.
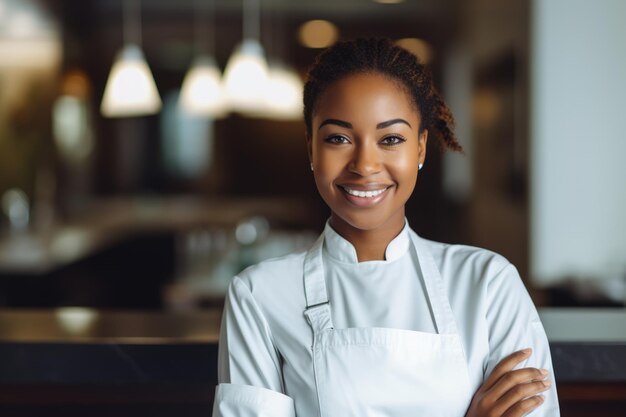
[(514, 325), (508, 392), (249, 372)]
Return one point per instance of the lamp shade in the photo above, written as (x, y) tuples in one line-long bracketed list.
[(284, 96), (245, 78), (201, 93), (130, 89)]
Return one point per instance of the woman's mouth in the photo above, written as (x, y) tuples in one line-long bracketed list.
[(365, 197)]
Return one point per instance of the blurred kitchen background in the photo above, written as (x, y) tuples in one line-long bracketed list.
[(150, 150), (118, 202)]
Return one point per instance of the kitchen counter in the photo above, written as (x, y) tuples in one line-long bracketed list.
[(84, 345), (77, 362), (88, 362), (587, 344)]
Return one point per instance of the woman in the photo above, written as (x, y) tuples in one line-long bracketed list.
[(374, 320)]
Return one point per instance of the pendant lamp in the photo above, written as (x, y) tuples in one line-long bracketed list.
[(284, 97), (130, 89), (245, 77), (201, 93)]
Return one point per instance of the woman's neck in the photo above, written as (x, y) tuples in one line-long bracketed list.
[(370, 244)]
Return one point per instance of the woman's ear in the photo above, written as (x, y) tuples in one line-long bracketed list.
[(422, 140)]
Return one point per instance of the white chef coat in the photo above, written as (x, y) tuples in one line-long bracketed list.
[(265, 360)]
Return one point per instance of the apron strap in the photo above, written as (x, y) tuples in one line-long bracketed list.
[(319, 317), (437, 295), (318, 312)]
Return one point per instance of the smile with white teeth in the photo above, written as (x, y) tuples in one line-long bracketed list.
[(365, 194)]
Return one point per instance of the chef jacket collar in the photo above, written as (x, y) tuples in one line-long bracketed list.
[(340, 249)]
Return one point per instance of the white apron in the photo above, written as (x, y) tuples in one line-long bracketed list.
[(376, 372)]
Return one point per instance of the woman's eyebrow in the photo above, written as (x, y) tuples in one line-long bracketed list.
[(348, 125), (388, 123), (335, 122)]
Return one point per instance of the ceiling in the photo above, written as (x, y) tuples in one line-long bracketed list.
[(295, 8), (93, 30)]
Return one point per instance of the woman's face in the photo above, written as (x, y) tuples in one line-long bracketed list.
[(365, 147)]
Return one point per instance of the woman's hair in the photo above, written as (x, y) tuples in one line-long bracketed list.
[(381, 56)]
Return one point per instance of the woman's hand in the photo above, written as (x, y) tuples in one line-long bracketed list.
[(509, 393)]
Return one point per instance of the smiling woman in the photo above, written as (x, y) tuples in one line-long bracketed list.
[(374, 320)]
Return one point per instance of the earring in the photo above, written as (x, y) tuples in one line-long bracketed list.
[(420, 166), (311, 166)]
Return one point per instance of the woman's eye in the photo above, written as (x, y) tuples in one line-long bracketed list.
[(338, 140), (392, 140)]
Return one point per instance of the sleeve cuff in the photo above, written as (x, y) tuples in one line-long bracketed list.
[(247, 401)]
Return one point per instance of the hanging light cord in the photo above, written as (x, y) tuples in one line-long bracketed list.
[(204, 27), (252, 19), (132, 22)]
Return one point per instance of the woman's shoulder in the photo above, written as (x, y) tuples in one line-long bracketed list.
[(281, 270), (275, 287), (471, 272), (462, 259)]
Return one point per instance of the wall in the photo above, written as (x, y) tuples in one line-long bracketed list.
[(578, 175)]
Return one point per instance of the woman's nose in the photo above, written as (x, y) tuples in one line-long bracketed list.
[(365, 161)]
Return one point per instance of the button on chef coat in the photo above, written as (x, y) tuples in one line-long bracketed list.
[(265, 360)]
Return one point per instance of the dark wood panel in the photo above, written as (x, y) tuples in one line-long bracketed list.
[(592, 391), (577, 400), (122, 394), (592, 399), (189, 400)]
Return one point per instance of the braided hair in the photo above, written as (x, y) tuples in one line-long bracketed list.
[(382, 56)]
